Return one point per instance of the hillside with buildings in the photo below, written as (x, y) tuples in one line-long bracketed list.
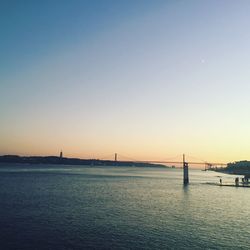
[(237, 167)]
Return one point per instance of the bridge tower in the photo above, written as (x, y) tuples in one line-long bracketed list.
[(115, 156), (185, 171)]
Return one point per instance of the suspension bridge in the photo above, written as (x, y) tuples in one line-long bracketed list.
[(172, 161), (176, 161)]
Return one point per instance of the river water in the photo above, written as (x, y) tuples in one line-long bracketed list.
[(75, 207)]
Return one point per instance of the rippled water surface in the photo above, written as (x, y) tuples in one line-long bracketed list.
[(73, 207)]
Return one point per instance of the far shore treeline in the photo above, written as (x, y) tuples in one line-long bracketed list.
[(72, 161)]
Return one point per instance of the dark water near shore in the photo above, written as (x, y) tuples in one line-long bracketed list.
[(55, 207)]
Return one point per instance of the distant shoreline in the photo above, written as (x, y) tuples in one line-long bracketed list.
[(73, 161), (236, 168)]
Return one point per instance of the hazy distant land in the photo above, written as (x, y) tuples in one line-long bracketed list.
[(238, 167), (72, 161)]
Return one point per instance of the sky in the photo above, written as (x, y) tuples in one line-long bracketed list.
[(146, 79)]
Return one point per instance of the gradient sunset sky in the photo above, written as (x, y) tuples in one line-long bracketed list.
[(145, 79)]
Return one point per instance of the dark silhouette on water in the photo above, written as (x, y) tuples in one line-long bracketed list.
[(72, 161), (237, 167)]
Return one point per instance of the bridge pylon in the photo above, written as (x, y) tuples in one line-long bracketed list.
[(185, 172)]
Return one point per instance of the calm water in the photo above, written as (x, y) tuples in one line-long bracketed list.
[(55, 207)]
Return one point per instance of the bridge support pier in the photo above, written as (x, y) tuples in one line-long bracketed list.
[(185, 172)]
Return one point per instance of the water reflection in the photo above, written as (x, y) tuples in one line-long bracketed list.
[(121, 208)]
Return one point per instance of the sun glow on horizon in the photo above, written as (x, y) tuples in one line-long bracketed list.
[(147, 80)]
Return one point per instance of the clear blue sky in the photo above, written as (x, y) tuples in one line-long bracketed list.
[(147, 79)]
